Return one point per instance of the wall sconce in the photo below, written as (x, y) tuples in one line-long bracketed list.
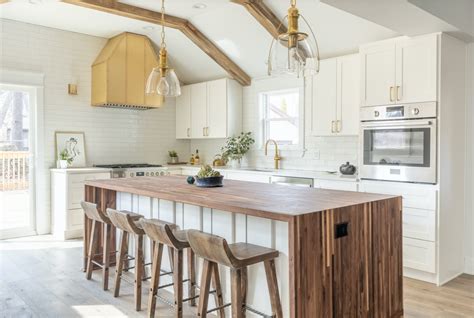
[(72, 89)]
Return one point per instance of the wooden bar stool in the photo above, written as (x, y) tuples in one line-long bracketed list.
[(98, 218), (215, 250), (128, 223), (164, 233)]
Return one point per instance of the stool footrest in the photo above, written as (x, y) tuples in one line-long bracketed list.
[(97, 263), (219, 307), (255, 311)]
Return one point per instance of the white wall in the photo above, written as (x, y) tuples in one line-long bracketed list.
[(469, 220), (322, 153), (112, 135)]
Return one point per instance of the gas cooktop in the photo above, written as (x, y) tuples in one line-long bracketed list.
[(129, 165)]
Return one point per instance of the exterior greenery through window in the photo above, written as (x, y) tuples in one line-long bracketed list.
[(281, 110)]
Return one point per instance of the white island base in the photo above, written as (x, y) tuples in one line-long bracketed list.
[(234, 227)]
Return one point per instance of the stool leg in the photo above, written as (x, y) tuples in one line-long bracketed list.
[(178, 282), (236, 293), (171, 257), (192, 277), (205, 285), (244, 282), (217, 286), (138, 271), (157, 256), (106, 256), (121, 260), (273, 288), (92, 249)]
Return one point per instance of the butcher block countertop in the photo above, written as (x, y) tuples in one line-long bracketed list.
[(270, 201)]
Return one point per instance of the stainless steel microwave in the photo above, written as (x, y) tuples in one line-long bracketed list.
[(399, 143)]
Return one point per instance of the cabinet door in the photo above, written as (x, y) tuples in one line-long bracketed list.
[(323, 111), (183, 113), (348, 100), (378, 74), (198, 110), (417, 66), (217, 109)]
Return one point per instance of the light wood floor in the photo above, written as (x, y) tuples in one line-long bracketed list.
[(40, 277)]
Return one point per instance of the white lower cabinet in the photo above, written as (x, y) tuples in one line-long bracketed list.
[(419, 223), (252, 177), (67, 192), (419, 255), (336, 185)]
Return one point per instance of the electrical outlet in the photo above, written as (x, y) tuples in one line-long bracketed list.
[(317, 154)]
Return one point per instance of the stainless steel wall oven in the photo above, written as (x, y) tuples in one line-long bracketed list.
[(399, 143)]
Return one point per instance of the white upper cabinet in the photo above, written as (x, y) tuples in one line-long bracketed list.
[(416, 72), (333, 97), (399, 71), (378, 74), (183, 112), (215, 110), (348, 88), (198, 114), (324, 93)]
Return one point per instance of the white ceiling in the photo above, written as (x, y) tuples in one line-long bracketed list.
[(227, 24)]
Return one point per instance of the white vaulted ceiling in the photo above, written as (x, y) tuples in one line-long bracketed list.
[(227, 24)]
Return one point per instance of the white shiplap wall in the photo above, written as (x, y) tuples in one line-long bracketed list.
[(112, 135), (322, 153)]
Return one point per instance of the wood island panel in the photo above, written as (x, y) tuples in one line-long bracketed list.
[(332, 272)]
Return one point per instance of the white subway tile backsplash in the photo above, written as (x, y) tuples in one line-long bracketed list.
[(112, 135)]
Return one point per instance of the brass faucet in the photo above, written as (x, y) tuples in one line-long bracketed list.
[(277, 158)]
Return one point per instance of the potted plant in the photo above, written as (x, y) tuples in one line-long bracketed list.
[(173, 156), (64, 159), (236, 147)]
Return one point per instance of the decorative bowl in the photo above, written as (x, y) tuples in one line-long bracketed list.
[(209, 182)]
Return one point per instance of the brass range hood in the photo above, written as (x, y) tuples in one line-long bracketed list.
[(120, 72)]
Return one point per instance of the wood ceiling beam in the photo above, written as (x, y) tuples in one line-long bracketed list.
[(187, 28), (264, 15)]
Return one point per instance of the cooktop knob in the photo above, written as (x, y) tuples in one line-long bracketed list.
[(416, 111), (376, 113)]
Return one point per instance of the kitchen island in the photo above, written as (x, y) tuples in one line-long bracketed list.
[(340, 252)]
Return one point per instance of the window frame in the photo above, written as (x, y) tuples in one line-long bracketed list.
[(265, 120)]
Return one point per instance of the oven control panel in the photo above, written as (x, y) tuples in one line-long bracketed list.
[(395, 112)]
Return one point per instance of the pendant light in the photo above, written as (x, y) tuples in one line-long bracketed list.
[(294, 52), (162, 79)]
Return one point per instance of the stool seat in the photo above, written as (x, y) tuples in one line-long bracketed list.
[(249, 254), (182, 236)]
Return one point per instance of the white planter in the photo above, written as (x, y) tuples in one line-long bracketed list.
[(63, 164), (235, 163), (174, 159)]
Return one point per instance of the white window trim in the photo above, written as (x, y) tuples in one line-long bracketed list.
[(301, 122)]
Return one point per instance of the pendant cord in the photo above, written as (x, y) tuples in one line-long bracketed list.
[(163, 44)]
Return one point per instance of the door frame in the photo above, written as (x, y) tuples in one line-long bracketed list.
[(33, 83)]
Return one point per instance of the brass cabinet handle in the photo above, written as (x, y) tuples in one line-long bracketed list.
[(391, 94), (398, 93), (332, 126), (204, 131), (338, 126), (207, 131), (188, 132)]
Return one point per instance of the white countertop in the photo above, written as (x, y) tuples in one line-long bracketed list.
[(325, 175), (81, 170)]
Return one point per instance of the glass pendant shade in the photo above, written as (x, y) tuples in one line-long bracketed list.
[(167, 85), (294, 52)]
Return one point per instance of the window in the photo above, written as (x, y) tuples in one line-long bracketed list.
[(281, 110)]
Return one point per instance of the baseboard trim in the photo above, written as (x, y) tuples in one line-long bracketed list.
[(469, 265)]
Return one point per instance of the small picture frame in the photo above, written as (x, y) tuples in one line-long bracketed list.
[(75, 144)]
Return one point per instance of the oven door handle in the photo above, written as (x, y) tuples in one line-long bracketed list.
[(398, 125)]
